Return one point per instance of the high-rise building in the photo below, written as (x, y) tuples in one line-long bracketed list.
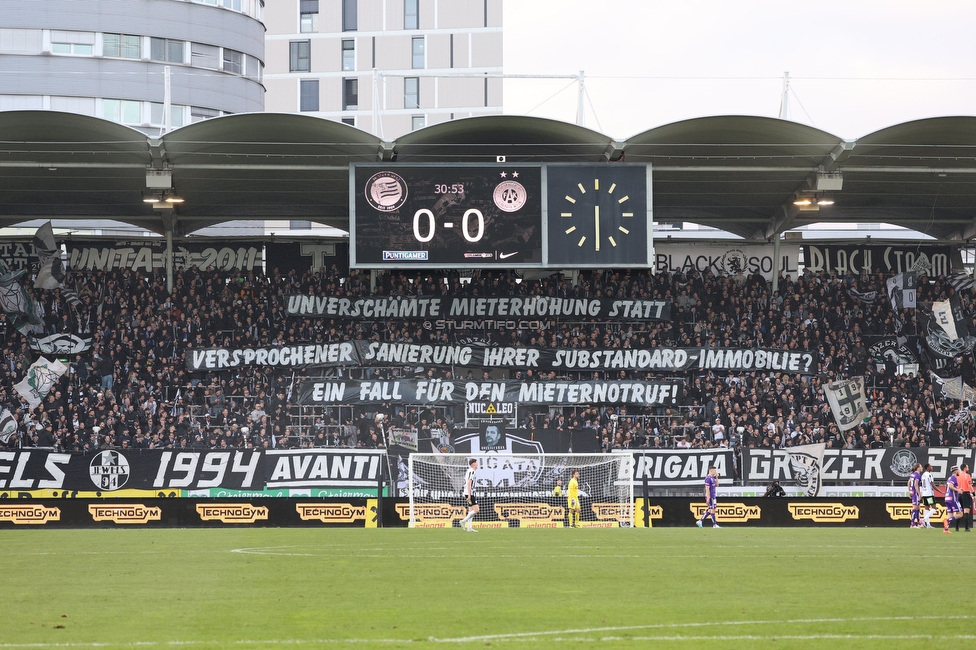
[(431, 58), (106, 58)]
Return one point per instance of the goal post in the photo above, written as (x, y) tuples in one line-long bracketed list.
[(519, 490)]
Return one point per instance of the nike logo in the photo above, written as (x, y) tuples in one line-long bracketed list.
[(505, 256)]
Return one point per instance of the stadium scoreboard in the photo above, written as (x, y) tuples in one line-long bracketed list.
[(506, 215)]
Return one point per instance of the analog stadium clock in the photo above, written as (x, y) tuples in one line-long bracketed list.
[(597, 215)]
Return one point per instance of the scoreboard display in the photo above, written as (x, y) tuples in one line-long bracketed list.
[(446, 216), (508, 215)]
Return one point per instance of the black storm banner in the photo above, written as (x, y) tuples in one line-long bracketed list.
[(463, 307), (313, 255), (889, 464), (374, 353), (853, 258), (554, 393), (150, 255)]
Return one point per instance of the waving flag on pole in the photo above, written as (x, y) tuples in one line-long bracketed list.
[(8, 426), (41, 377), (50, 273), (848, 402), (23, 312)]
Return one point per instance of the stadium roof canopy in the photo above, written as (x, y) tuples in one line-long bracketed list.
[(736, 173)]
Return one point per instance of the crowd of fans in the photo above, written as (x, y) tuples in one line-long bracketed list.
[(132, 389)]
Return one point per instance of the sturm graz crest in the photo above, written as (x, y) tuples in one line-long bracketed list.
[(902, 462), (109, 470)]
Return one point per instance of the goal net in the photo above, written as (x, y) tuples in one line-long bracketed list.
[(520, 490)]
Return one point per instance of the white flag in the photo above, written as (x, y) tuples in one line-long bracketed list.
[(942, 312), (8, 426), (41, 377), (847, 402), (806, 463)]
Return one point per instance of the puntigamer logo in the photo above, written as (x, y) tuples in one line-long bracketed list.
[(243, 513), (29, 514), (331, 513), (729, 512), (823, 513)]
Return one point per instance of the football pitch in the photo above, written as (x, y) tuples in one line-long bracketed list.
[(393, 588)]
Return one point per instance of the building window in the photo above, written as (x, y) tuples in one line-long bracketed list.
[(236, 5), (78, 49), (300, 59), (164, 49), (198, 113), (204, 56), (411, 14), (309, 95), (233, 61), (348, 54), (309, 23), (77, 43), (350, 19), (417, 47), (123, 46), (351, 121), (411, 92), (124, 111), (299, 224), (350, 94), (417, 122), (308, 6), (156, 115)]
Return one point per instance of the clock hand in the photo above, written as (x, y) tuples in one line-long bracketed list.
[(596, 226)]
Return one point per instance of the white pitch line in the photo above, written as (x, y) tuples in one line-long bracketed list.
[(560, 635), (662, 626)]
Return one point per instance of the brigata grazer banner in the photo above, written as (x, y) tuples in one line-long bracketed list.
[(854, 465), (554, 393), (465, 307), (346, 472), (375, 353), (673, 467)]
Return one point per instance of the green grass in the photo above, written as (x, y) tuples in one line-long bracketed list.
[(390, 588)]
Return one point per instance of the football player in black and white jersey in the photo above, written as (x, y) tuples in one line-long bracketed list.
[(927, 490), (470, 500)]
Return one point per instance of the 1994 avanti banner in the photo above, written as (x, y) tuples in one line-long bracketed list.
[(373, 353), (646, 393), (462, 307)]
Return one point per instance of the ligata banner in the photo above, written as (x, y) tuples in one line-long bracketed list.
[(671, 467)]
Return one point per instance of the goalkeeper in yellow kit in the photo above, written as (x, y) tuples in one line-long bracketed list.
[(573, 501)]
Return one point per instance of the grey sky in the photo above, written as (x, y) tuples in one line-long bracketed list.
[(855, 66)]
